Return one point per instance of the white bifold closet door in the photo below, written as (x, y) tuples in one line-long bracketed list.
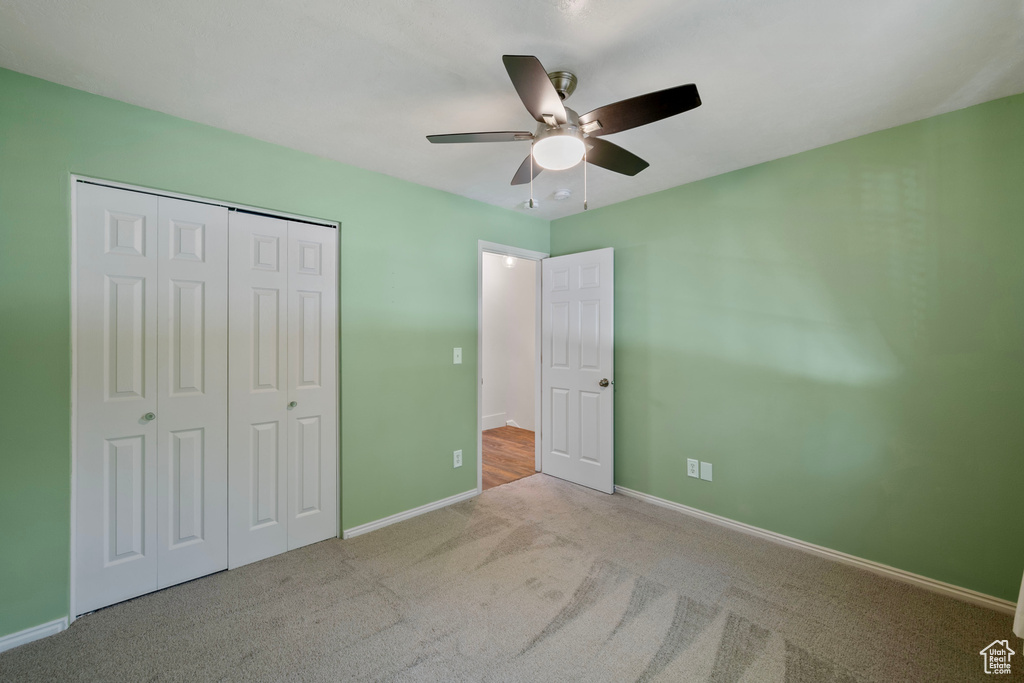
[(151, 364), (206, 390), (283, 387)]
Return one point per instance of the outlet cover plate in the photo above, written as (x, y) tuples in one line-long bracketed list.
[(457, 459), (705, 471), (457, 355), (692, 468)]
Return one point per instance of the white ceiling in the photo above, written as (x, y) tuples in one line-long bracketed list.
[(364, 82)]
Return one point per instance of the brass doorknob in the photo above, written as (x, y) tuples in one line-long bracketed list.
[(293, 404), (149, 417), (603, 383)]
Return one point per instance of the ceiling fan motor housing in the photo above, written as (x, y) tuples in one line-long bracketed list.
[(570, 127), (564, 82)]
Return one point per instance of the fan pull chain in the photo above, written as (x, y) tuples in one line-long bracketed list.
[(584, 176), (531, 175)]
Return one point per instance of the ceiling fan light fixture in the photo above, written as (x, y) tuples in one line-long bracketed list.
[(558, 152), (564, 138)]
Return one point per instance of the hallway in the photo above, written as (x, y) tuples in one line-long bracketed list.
[(508, 455)]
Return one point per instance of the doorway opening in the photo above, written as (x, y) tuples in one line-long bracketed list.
[(509, 367)]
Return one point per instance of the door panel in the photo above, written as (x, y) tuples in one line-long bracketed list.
[(267, 323), (192, 403), (559, 423), (188, 507), (309, 339), (559, 342), (312, 378), (590, 427), (125, 492), (257, 417), (116, 446), (309, 455), (126, 320), (590, 335), (577, 343), (187, 339)]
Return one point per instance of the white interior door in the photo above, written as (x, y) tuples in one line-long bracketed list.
[(188, 460), (116, 361), (312, 384), (192, 390), (576, 371), (258, 391), (283, 414)]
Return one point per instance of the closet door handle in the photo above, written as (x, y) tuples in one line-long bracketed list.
[(149, 417), (293, 404)]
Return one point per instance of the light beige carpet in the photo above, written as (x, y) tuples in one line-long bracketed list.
[(537, 580)]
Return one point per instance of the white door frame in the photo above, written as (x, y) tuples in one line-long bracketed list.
[(73, 285), (504, 250)]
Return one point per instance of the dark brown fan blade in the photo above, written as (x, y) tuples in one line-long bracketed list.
[(501, 136), (641, 110), (534, 87), (609, 155), (522, 175)]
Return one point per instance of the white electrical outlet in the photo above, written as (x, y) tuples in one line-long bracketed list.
[(705, 471), (692, 468), (457, 459), (457, 356)]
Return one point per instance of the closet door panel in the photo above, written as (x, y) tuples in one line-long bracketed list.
[(258, 395), (192, 384), (206, 396), (116, 372), (312, 384)]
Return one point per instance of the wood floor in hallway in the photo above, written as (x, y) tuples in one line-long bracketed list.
[(508, 455)]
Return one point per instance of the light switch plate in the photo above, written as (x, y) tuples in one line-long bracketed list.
[(692, 468), (705, 471), (457, 356)]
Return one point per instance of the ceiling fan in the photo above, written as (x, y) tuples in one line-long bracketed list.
[(564, 138)]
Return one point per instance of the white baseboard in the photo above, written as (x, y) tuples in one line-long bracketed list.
[(967, 595), (512, 423), (13, 640), (492, 421), (408, 514)]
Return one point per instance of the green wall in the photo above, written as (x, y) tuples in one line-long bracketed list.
[(841, 334), (408, 295)]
